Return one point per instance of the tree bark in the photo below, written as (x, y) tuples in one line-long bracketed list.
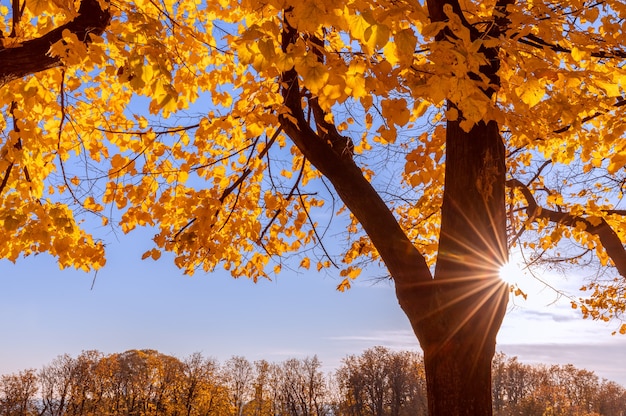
[(32, 56), (328, 154), (467, 299)]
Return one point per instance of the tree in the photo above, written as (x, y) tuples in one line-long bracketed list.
[(198, 384), (56, 381), (115, 384), (265, 389), (611, 399), (512, 382), (302, 388), (522, 389), (18, 393), (83, 395), (238, 376), (380, 382), (527, 148)]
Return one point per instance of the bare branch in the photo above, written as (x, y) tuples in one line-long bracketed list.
[(288, 198)]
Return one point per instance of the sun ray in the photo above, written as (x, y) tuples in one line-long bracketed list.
[(475, 282)]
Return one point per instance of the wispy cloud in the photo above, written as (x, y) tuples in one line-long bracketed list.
[(392, 338), (556, 314), (606, 360)]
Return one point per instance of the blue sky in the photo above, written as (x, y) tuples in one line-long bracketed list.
[(145, 304)]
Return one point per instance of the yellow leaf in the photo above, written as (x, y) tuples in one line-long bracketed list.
[(350, 272), (358, 24), (578, 54), (406, 42), (266, 47), (391, 54), (305, 263), (452, 114), (314, 74), (91, 205), (323, 265), (284, 61), (37, 7), (58, 48), (611, 89), (118, 162), (272, 202), (519, 292), (344, 285), (376, 36), (531, 92), (618, 161), (402, 48), (355, 80), (594, 220), (395, 111)]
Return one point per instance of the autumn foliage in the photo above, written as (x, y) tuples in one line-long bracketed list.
[(451, 131), (80, 138)]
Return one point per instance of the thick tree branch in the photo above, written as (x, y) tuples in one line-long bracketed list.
[(609, 239), (437, 13), (341, 144), (32, 55), (328, 154)]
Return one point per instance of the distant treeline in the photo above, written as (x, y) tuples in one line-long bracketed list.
[(379, 382)]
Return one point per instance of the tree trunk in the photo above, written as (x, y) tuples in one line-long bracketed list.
[(459, 344), (459, 381), (466, 299)]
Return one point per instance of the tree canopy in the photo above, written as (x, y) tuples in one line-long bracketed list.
[(228, 183), (222, 123)]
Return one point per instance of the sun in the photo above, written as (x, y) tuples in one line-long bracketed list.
[(512, 273)]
